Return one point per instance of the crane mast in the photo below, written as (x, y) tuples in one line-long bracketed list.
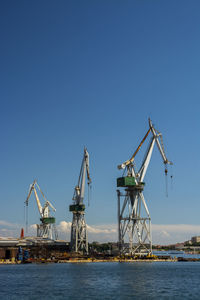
[(79, 239), (134, 221), (47, 227)]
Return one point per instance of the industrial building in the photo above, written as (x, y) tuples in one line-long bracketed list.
[(36, 247)]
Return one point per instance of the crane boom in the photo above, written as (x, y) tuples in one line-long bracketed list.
[(38, 202), (147, 157), (140, 175), (155, 138), (49, 204), (42, 210), (80, 188), (156, 135), (31, 189), (128, 162)]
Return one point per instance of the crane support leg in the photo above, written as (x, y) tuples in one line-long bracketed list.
[(134, 223)]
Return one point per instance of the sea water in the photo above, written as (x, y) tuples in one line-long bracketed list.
[(114, 280)]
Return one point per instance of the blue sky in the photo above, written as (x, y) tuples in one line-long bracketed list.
[(90, 73)]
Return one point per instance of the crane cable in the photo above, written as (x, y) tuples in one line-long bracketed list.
[(89, 192), (26, 217), (171, 176), (166, 180), (166, 170)]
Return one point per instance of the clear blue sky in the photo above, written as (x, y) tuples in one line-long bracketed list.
[(75, 73)]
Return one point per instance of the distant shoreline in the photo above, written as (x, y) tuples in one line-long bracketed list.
[(74, 261)]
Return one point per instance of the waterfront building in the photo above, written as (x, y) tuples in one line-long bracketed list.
[(195, 239)]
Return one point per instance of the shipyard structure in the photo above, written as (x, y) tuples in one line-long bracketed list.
[(134, 221)]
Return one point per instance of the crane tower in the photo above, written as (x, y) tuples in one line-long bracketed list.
[(79, 239), (134, 221), (47, 227)]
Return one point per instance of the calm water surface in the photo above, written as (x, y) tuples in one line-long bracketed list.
[(137, 280)]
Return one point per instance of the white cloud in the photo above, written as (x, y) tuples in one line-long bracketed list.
[(64, 229), (107, 229), (165, 233), (99, 233), (173, 233), (33, 226), (6, 224), (161, 234), (14, 230), (64, 226), (102, 233), (9, 229)]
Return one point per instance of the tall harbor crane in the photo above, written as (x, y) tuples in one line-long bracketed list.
[(134, 221), (47, 227), (79, 239)]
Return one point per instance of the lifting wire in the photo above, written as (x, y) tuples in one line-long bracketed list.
[(88, 194), (26, 214), (171, 176), (166, 181)]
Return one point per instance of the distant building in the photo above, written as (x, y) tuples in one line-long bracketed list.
[(188, 243), (195, 239), (179, 246)]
